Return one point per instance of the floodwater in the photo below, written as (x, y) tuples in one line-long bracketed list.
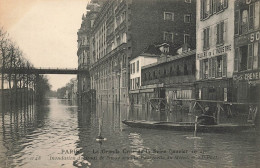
[(58, 134)]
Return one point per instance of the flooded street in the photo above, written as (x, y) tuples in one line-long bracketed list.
[(58, 134)]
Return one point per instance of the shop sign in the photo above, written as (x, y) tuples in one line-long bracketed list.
[(249, 38), (214, 52), (247, 76)]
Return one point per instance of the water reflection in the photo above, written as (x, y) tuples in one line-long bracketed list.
[(39, 136)]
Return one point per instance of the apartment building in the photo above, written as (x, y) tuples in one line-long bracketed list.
[(215, 50), (83, 53), (247, 52), (123, 29)]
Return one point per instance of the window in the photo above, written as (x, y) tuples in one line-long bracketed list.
[(206, 38), (187, 1), (220, 33), (243, 58), (209, 7), (169, 16), (236, 57), (205, 9), (251, 17), (138, 82), (204, 69), (250, 56), (186, 39), (187, 18), (247, 18), (237, 18), (185, 69), (168, 36), (133, 67), (219, 66), (137, 66)]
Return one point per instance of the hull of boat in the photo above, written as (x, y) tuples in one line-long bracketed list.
[(188, 126)]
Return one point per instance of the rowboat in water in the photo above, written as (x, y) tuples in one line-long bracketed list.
[(187, 126)]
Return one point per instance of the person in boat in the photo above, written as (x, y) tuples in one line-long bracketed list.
[(207, 118)]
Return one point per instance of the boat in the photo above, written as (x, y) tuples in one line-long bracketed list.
[(187, 126)]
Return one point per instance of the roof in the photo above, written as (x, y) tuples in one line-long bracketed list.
[(172, 58)]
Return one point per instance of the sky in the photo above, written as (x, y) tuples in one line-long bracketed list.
[(46, 32)]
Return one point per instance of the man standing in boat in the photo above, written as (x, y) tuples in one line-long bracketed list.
[(207, 118)]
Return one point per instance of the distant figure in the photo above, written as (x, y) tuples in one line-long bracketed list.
[(207, 117)]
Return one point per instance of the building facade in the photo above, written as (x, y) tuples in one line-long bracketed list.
[(171, 79), (247, 51), (123, 29), (136, 65), (215, 50), (83, 53)]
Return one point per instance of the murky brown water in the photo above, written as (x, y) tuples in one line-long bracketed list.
[(55, 134)]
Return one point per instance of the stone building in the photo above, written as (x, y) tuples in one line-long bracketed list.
[(170, 78), (83, 53), (227, 58), (123, 29), (215, 50), (246, 78), (247, 51)]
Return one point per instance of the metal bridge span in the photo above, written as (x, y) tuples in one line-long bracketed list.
[(42, 71)]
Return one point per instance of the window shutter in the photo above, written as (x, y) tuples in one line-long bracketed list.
[(201, 9), (250, 56), (210, 67), (224, 65), (225, 4), (201, 69), (221, 33), (255, 60), (203, 38), (225, 34), (210, 7), (257, 17), (236, 59), (214, 3), (213, 67), (208, 37), (251, 17), (217, 33), (237, 20)]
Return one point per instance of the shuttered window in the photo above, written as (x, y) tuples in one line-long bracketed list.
[(225, 4), (224, 66), (206, 38), (214, 3), (236, 58), (220, 33), (257, 16), (250, 56), (214, 67), (255, 60), (201, 69), (210, 67), (251, 17), (237, 18)]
